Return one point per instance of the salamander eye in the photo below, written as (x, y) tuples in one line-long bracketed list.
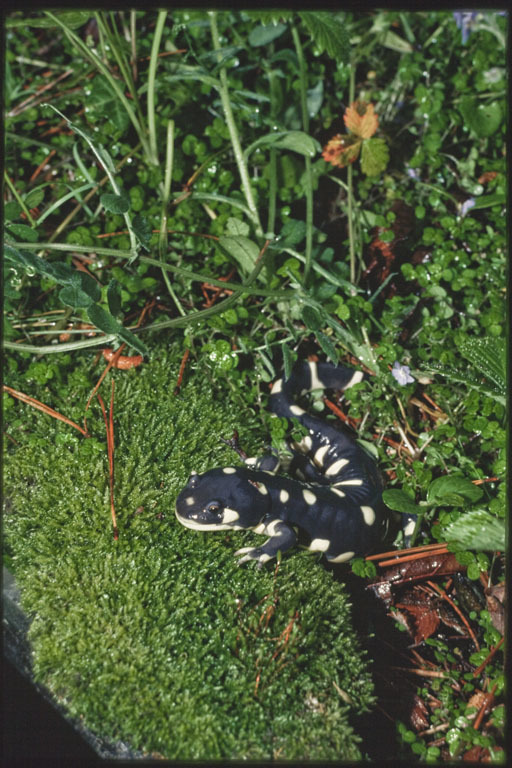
[(213, 507)]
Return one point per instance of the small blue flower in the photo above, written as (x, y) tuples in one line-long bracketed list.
[(411, 172), (402, 373), (467, 206), (464, 21)]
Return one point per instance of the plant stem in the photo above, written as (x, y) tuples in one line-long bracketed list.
[(162, 241), (350, 184), (307, 175), (19, 199), (233, 132), (157, 37)]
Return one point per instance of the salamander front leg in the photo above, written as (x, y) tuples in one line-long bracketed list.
[(282, 538)]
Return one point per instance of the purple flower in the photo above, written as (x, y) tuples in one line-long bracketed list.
[(464, 21), (402, 373), (467, 206), (411, 172)]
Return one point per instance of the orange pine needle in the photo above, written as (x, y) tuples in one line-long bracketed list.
[(44, 408)]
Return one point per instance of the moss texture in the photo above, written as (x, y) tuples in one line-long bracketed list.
[(158, 638)]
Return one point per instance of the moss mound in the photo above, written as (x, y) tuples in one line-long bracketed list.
[(158, 638)]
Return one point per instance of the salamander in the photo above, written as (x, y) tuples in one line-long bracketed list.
[(332, 498)]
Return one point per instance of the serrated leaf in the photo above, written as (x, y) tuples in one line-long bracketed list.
[(342, 150), (328, 33), (292, 233), (361, 120), (327, 346), (265, 33), (453, 491), (115, 203), (374, 156), (400, 502), (477, 530), (244, 251)]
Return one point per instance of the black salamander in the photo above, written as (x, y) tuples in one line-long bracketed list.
[(336, 502)]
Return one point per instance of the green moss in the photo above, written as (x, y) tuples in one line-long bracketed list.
[(158, 638)]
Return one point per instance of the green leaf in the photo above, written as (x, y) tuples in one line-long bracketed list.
[(115, 203), (72, 19), (73, 296), (327, 346), (265, 33), (311, 318), (395, 43), (142, 229), (103, 319), (329, 34), (487, 201), (477, 530), (295, 141), (34, 197), (244, 251), (237, 227), (400, 502), (133, 341), (488, 355), (453, 490), (374, 156), (23, 232), (12, 210), (114, 297), (104, 102), (289, 358), (483, 119), (315, 97), (292, 233)]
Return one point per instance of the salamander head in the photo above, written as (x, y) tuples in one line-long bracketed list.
[(222, 499)]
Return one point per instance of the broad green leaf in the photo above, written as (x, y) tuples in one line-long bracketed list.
[(104, 101), (327, 346), (477, 530), (488, 355), (12, 210), (237, 227), (115, 203), (292, 233), (244, 251), (103, 319), (73, 296), (400, 502), (265, 33), (295, 141), (34, 197), (487, 201), (374, 156), (23, 232), (311, 318), (329, 34), (315, 97), (483, 119), (453, 490)]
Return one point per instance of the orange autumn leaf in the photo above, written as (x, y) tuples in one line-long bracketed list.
[(341, 150), (361, 120)]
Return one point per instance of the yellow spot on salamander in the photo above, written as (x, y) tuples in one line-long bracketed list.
[(320, 455), (229, 470), (336, 467), (319, 545), (369, 515), (341, 558), (284, 496), (309, 497)]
